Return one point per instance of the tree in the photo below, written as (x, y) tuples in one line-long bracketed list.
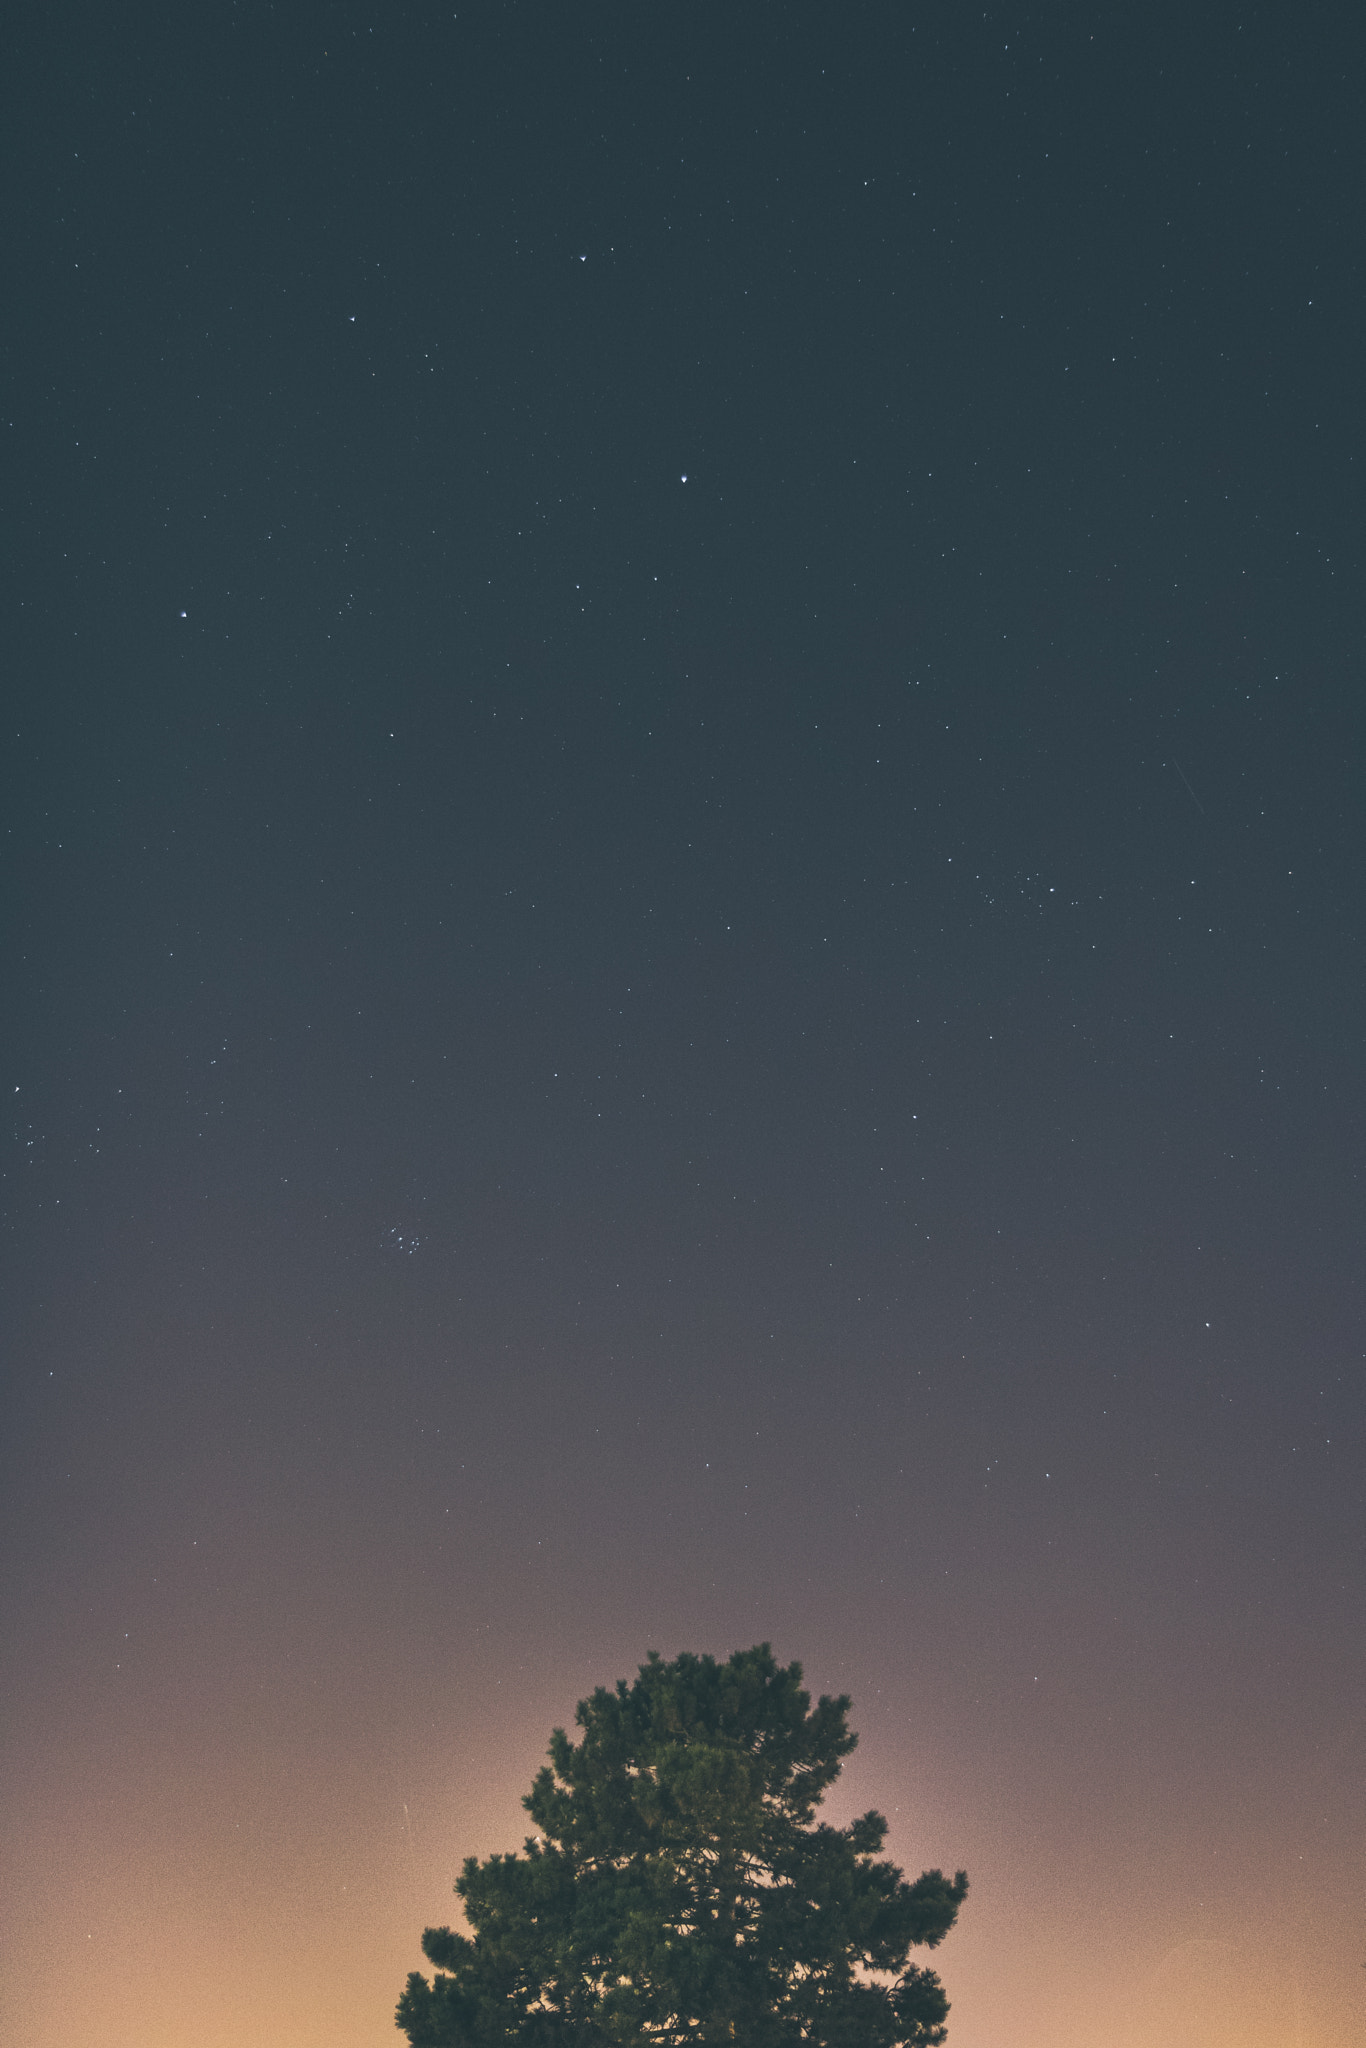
[(679, 1889)]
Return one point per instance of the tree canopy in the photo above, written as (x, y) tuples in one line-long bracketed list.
[(679, 1888)]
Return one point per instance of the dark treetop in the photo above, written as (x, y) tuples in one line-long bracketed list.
[(680, 1889)]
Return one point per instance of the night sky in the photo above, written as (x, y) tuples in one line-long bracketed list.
[(683, 932)]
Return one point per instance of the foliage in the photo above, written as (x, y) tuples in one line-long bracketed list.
[(680, 1890)]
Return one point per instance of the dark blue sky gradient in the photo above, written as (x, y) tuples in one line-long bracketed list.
[(684, 864)]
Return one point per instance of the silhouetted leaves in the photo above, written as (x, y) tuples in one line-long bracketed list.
[(679, 1889)]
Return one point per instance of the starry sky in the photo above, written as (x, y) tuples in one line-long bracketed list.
[(683, 843)]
